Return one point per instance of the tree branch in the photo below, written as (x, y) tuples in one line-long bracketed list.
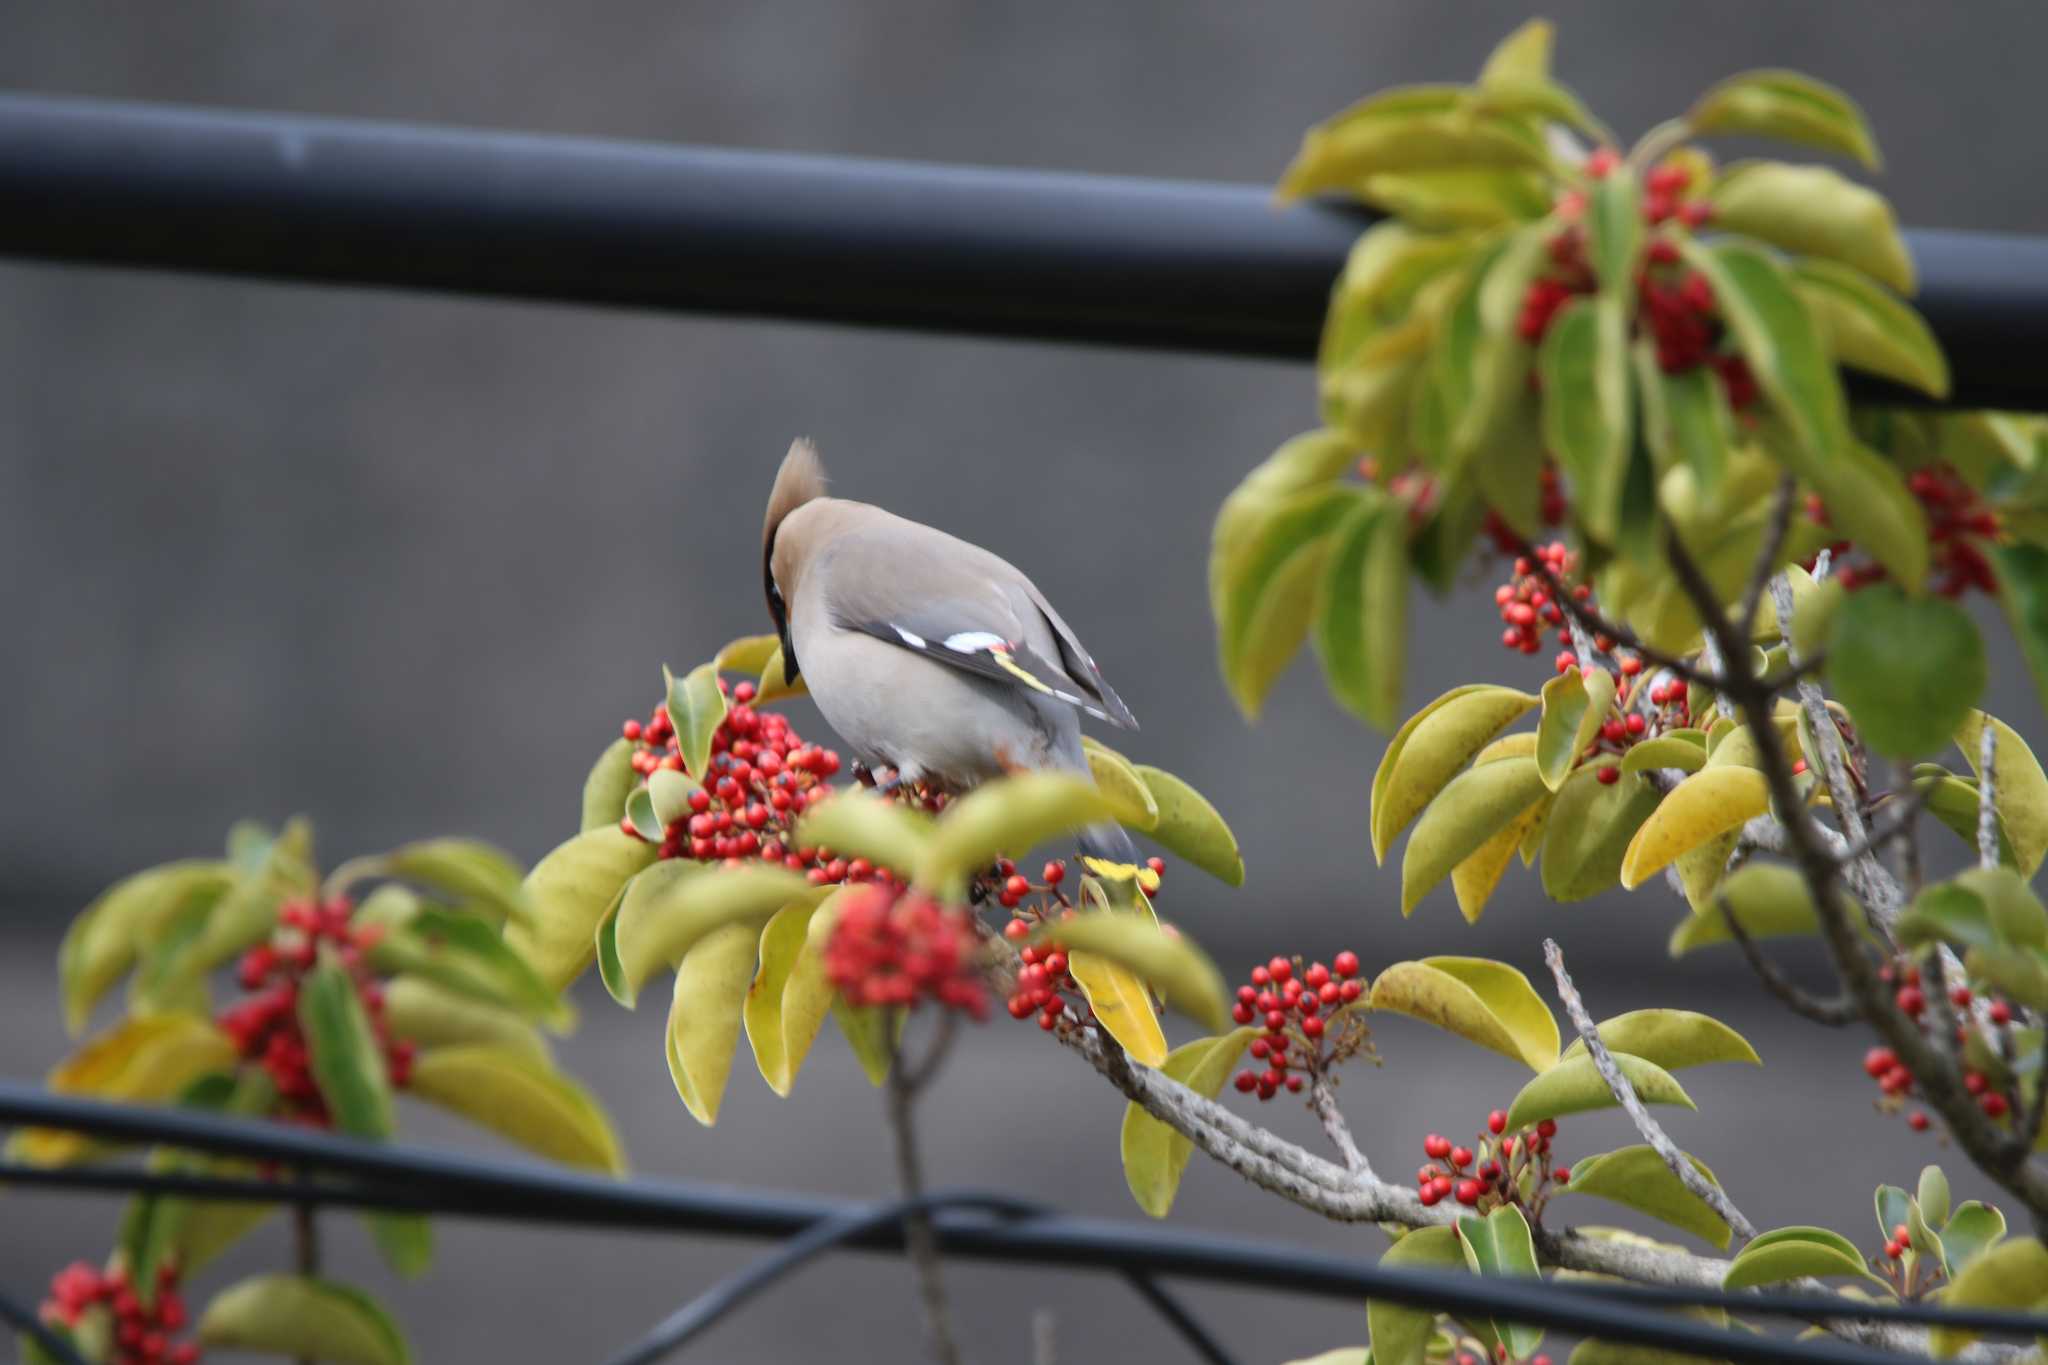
[(1585, 618), (1987, 797), (1834, 1012), (1766, 565), (1322, 1095), (1703, 1189), (921, 1244)]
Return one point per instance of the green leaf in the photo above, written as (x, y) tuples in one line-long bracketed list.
[(1788, 106), (1315, 460), (1933, 1195), (1169, 961), (871, 1032), (1476, 806), (1637, 1178), (102, 942), (347, 1063), (666, 914), (2013, 1274), (1484, 1002), (1495, 368), (1708, 803), (2022, 572), (1362, 616), (1463, 197), (669, 791), (1011, 816), (1768, 900), (1523, 55), (1869, 329), (704, 1016), (1154, 1155), (1427, 752), (1588, 833), (1412, 128), (748, 654), (1814, 212), (1574, 1086), (465, 871), (521, 1098), (311, 1319), (570, 890), (404, 1240), (465, 954), (1688, 422), (1583, 365), (1400, 1334), (1116, 777), (1189, 827), (641, 814), (1673, 1039), (1779, 340), (1791, 1254), (859, 825), (1910, 670), (1574, 707), (1665, 751), (1267, 603), (1972, 1230), (1500, 1245), (2022, 796), (782, 949), (1894, 1206), (433, 1016), (696, 707)]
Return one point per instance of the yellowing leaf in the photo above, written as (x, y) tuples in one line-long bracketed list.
[(570, 890), (522, 1098), (1118, 781), (1484, 1002), (871, 1032), (1708, 803), (783, 940), (1012, 816), (1665, 751), (1793, 1253), (1869, 329), (302, 1317), (1400, 1334), (1121, 1005), (1814, 212), (1588, 831), (2012, 1275), (1169, 961), (468, 872), (1154, 1155), (859, 825), (1673, 1039), (605, 789), (1637, 1178), (1427, 752), (775, 683), (748, 654), (144, 1059), (667, 913), (2022, 802), (1574, 706), (1574, 1086), (1412, 128), (102, 942), (1465, 816), (1473, 881), (696, 707), (704, 1016), (1786, 105), (1189, 827), (433, 1016)]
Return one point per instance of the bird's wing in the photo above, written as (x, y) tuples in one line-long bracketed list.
[(966, 608)]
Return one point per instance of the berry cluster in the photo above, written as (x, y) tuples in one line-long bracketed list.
[(265, 1027), (1042, 983), (1957, 519), (898, 949), (1894, 1079), (1498, 1168), (762, 777), (1525, 601), (1309, 1025), (142, 1331)]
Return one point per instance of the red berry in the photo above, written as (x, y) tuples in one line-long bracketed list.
[(1345, 964), (1496, 1122), (1461, 1157), (1017, 886), (1562, 1175), (1609, 776), (1316, 976), (2000, 1012), (1054, 873), (1911, 999), (1276, 1020), (1280, 969), (1547, 1128), (1312, 1026), (1246, 1082), (1436, 1146), (1993, 1104), (1879, 1060), (1917, 1120), (1429, 1196), (1468, 1192)]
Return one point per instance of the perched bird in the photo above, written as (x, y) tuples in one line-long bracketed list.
[(927, 654)]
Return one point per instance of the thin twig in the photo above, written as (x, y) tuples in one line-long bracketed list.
[(1833, 1012), (1703, 1189), (1987, 796), (1767, 564), (306, 1246), (920, 1242), (1584, 618), (1323, 1099), (1044, 1337), (1897, 827)]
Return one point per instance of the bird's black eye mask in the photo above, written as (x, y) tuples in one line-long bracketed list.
[(779, 610)]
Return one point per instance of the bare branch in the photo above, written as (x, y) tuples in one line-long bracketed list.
[(1834, 1013), (1987, 797), (1767, 563), (1323, 1099), (1584, 618), (919, 1240), (1703, 1189)]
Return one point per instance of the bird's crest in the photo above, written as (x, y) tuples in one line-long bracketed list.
[(801, 479)]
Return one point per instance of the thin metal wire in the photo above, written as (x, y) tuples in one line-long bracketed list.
[(1174, 1311), (391, 1176)]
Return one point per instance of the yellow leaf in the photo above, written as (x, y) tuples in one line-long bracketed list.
[(1710, 802), (704, 1016), (1121, 1004), (1155, 1155), (1474, 880), (144, 1059), (2011, 1275), (1476, 806), (1429, 750), (1189, 827), (522, 1098), (433, 1016), (776, 684), (784, 940), (294, 1315), (858, 824), (1119, 781), (1484, 1002), (2022, 787), (1574, 706), (749, 653), (1012, 815), (570, 890), (103, 941), (673, 906)]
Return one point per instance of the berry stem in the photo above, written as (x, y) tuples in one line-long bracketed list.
[(920, 1242), (306, 1244), (1587, 618), (1322, 1093), (1706, 1191)]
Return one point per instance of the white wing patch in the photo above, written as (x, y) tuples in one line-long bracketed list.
[(968, 641), (914, 641)]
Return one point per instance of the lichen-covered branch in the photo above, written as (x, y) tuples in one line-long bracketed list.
[(1703, 1189), (1322, 1096), (1987, 797)]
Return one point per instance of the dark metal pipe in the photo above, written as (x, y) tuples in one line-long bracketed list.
[(1173, 265)]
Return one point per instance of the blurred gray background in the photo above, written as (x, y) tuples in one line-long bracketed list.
[(403, 563)]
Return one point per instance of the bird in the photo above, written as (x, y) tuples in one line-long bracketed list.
[(928, 655)]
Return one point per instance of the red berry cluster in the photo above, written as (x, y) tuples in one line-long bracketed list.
[(265, 1027), (142, 1331), (1498, 1168), (1957, 519), (1525, 601), (762, 777), (898, 949), (1308, 1025), (1895, 1081), (1043, 982)]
